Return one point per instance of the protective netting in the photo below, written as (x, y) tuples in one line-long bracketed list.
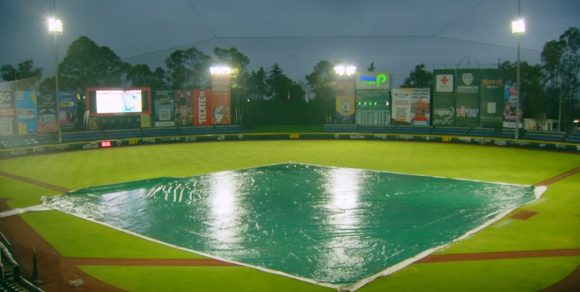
[(328, 225)]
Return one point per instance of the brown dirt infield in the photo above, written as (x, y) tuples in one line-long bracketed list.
[(570, 283), (523, 215), (55, 271)]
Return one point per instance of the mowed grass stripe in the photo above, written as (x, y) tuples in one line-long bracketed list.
[(79, 169), (33, 182)]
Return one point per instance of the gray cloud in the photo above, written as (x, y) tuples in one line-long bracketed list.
[(396, 35)]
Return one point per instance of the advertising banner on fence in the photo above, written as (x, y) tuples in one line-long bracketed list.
[(46, 114), (7, 113), (164, 114), (25, 102), (444, 98), (203, 114), (183, 107), (221, 107), (492, 103), (221, 100), (420, 104), (345, 101), (68, 107), (510, 105), (467, 97), (401, 98)]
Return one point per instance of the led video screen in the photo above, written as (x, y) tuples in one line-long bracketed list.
[(118, 101)]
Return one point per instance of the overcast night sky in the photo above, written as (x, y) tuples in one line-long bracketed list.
[(396, 35)]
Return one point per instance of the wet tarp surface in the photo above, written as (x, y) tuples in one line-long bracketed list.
[(330, 225)]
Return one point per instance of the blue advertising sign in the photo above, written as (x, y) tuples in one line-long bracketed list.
[(25, 102)]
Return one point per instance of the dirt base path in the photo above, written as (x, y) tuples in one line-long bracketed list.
[(53, 271), (570, 283), (500, 255)]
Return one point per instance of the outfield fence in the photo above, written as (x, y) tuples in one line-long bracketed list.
[(22, 145)]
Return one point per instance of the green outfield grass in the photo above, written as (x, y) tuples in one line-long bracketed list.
[(555, 226)]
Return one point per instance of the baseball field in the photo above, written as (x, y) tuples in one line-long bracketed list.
[(534, 247)]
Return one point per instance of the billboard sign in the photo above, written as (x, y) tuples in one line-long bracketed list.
[(221, 101), (345, 100), (25, 103), (467, 98), (67, 109), (183, 107), (411, 106), (444, 98), (420, 106), (46, 114), (373, 80), (164, 114), (203, 115), (401, 98), (510, 105), (6, 113), (492, 103)]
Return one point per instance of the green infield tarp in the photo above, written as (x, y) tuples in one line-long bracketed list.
[(337, 227)]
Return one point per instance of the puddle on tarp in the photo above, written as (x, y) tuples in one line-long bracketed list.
[(329, 225)]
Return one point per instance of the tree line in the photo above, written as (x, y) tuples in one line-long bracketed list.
[(267, 96)]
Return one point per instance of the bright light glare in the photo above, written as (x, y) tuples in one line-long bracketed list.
[(54, 25), (345, 70), (519, 26), (220, 70)]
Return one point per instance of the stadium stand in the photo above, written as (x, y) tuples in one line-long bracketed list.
[(456, 131), (543, 136), (483, 132), (26, 141), (35, 143), (86, 136), (450, 131), (11, 279), (572, 138)]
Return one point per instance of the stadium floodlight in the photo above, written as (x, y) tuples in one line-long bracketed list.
[(220, 70), (345, 70), (55, 25), (519, 26)]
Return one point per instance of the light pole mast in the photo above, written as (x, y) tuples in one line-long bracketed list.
[(518, 80), (55, 27), (518, 29)]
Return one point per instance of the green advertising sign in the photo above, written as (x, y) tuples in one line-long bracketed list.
[(492, 102), (444, 98), (373, 80), (467, 97)]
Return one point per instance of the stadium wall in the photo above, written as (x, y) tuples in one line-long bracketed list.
[(441, 135)]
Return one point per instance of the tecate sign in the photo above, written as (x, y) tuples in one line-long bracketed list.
[(202, 108)]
